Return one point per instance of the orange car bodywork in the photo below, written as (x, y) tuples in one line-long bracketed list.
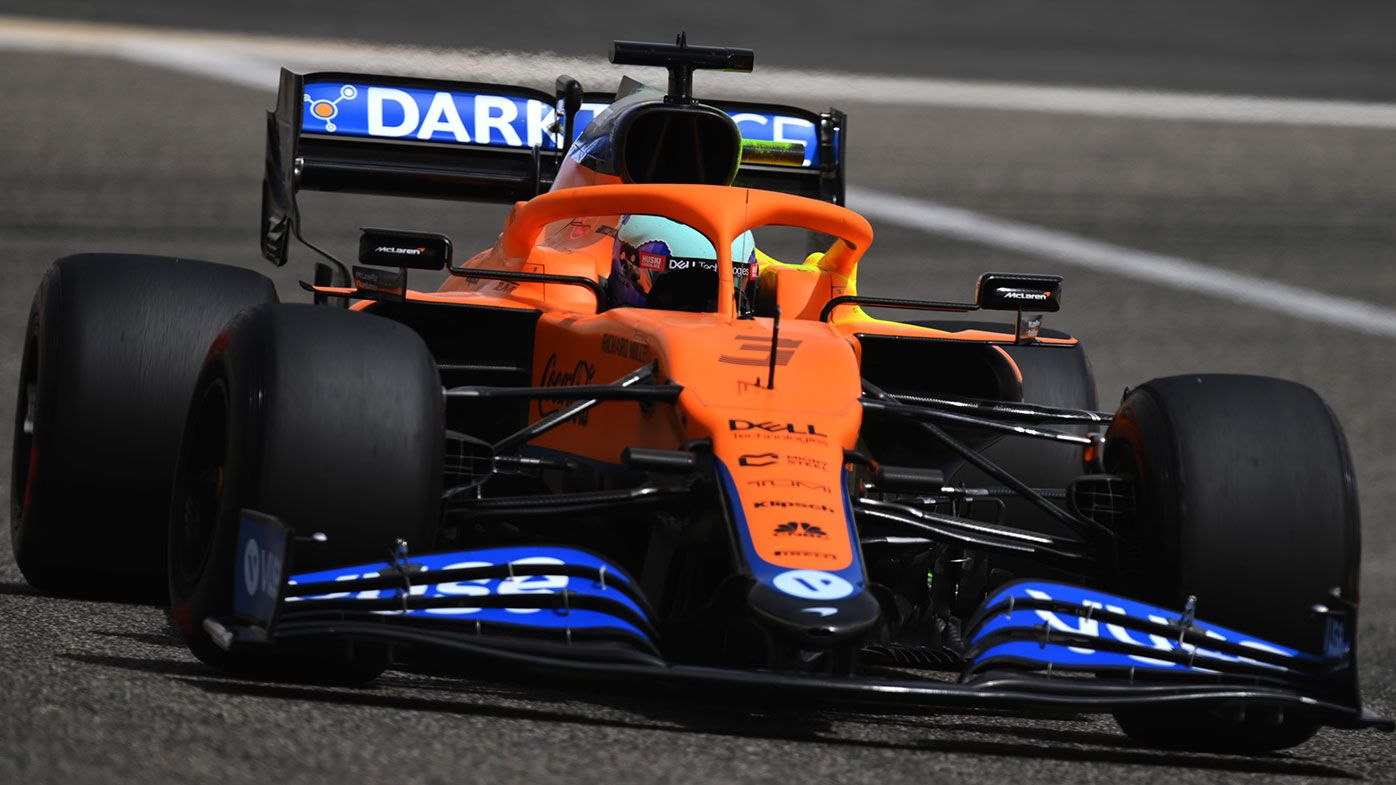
[(780, 449)]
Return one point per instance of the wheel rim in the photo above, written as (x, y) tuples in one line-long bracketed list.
[(25, 463), (200, 484)]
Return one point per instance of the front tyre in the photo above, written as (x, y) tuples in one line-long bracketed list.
[(1245, 498), (330, 420)]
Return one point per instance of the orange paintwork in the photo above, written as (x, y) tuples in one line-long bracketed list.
[(784, 446)]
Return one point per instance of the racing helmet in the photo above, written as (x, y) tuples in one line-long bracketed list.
[(658, 262)]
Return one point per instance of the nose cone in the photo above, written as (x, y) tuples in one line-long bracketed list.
[(809, 609)]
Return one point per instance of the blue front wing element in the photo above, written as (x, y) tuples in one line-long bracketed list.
[(495, 120), (551, 619), (1133, 635)]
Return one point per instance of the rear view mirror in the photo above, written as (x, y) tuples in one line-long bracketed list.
[(400, 248), (1014, 292)]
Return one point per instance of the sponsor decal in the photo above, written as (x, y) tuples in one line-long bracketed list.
[(400, 251), (781, 129), (1335, 639), (481, 587), (785, 483), (629, 348), (786, 554), (774, 537), (326, 110), (771, 426), (1019, 294), (800, 529), (784, 505), (492, 119), (756, 351), (685, 263), (1087, 627), (428, 115), (556, 374), (258, 570), (807, 462), (386, 281), (653, 261), (771, 459), (556, 615), (812, 585)]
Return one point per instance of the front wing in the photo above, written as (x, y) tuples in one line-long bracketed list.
[(1033, 645)]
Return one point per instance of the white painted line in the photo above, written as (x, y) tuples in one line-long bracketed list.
[(252, 61), (1171, 271), (541, 68), (214, 64)]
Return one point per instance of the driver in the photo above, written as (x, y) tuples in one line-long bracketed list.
[(661, 263)]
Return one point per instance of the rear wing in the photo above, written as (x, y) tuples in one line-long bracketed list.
[(474, 141)]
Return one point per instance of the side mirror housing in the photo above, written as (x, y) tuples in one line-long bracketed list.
[(1015, 292), (401, 248)]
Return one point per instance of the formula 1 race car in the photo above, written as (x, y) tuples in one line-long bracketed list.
[(645, 435)]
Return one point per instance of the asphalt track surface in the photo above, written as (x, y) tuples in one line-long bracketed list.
[(99, 154)]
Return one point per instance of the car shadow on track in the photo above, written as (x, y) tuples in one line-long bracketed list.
[(168, 640), (627, 708), (171, 668)]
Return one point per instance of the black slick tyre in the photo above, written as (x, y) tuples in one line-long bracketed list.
[(1052, 376), (1246, 499), (111, 352), (332, 421)]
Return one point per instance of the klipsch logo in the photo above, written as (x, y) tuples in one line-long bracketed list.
[(780, 504)]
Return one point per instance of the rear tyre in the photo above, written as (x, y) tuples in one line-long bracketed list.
[(333, 422), (1245, 497), (112, 349)]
